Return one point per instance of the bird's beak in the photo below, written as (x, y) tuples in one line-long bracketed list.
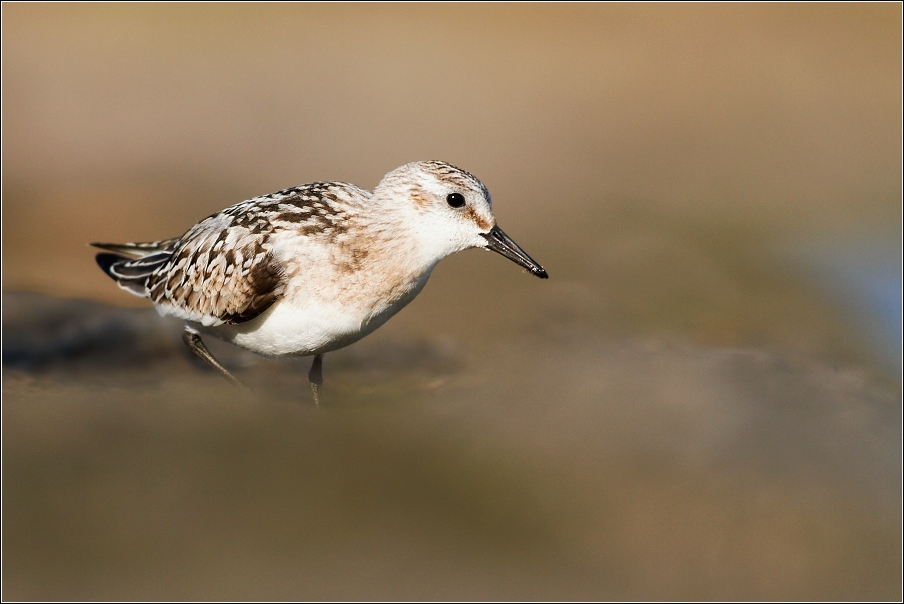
[(500, 242)]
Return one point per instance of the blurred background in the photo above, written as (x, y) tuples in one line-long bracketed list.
[(703, 401)]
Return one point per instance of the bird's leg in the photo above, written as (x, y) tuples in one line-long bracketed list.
[(315, 375), (193, 339)]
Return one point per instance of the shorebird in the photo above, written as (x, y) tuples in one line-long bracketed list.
[(312, 268)]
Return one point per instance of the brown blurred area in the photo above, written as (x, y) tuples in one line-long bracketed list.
[(680, 412)]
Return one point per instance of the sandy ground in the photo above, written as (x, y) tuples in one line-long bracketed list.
[(683, 411), (555, 464)]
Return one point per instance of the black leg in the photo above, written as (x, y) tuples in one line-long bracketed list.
[(193, 339), (316, 377)]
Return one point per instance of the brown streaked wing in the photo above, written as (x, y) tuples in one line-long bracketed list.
[(220, 272)]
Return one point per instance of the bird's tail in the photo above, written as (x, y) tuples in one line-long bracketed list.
[(131, 264), (138, 250)]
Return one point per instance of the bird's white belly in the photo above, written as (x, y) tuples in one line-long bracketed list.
[(311, 325), (288, 330)]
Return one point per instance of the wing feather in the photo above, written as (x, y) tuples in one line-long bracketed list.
[(219, 272), (223, 270), (139, 250)]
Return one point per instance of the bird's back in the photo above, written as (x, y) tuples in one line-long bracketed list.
[(223, 269)]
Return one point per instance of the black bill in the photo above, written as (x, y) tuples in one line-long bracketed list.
[(500, 242)]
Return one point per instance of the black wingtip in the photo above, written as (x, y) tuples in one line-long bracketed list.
[(106, 262)]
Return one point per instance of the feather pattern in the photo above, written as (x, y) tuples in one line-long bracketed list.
[(138, 250), (223, 269)]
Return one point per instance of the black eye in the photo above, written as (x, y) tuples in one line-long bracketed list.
[(456, 200)]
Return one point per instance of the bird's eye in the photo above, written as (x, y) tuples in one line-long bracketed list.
[(456, 200)]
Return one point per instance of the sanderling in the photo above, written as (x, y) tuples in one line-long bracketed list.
[(313, 268)]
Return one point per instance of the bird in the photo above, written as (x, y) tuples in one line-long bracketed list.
[(313, 268)]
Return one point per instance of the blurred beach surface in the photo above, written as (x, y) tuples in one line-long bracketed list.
[(702, 402)]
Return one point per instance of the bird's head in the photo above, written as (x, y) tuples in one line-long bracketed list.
[(452, 210)]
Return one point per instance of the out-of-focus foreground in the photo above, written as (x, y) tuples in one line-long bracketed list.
[(703, 401)]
